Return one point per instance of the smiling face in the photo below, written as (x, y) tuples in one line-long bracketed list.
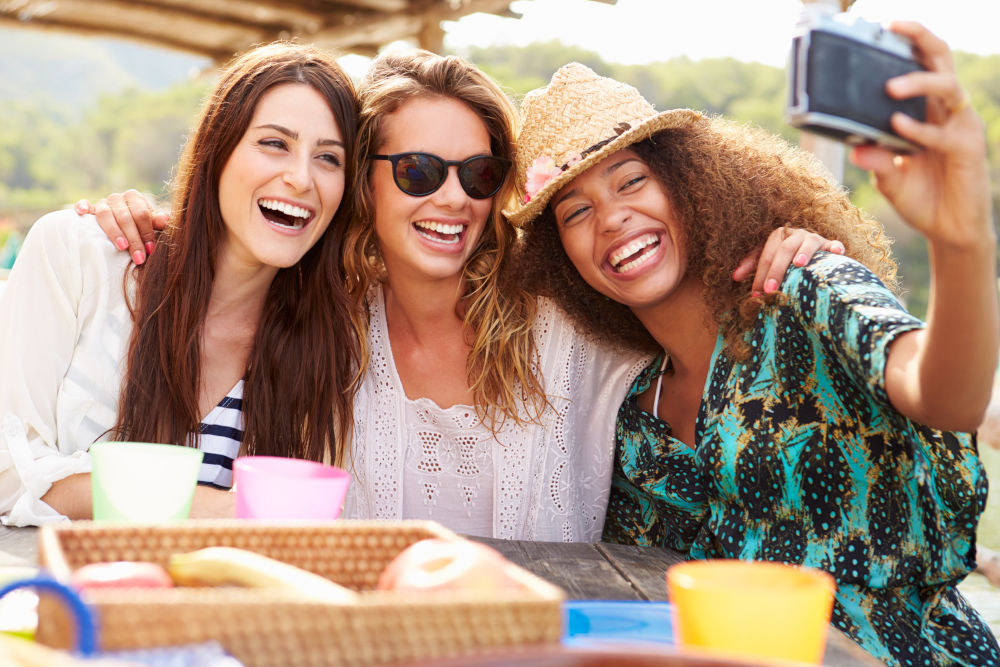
[(284, 181), (431, 237), (618, 228)]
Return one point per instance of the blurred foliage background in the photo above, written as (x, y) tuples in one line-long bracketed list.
[(102, 117)]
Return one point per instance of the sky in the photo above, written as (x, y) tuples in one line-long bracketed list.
[(640, 31)]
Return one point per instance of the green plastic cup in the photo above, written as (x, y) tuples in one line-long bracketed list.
[(140, 481)]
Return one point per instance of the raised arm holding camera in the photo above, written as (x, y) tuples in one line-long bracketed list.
[(826, 426)]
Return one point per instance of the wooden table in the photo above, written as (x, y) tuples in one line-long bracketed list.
[(585, 571), (616, 572)]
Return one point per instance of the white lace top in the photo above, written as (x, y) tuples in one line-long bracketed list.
[(412, 459)]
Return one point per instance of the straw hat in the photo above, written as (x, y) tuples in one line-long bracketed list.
[(576, 121)]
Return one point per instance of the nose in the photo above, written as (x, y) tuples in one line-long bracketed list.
[(612, 216), (298, 173), (450, 194)]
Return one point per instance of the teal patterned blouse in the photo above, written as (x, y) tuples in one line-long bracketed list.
[(799, 457)]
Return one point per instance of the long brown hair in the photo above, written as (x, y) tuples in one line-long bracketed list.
[(501, 365), (297, 399), (730, 186)]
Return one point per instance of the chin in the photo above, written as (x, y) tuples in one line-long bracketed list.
[(283, 260)]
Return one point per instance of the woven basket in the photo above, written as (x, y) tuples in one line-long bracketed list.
[(276, 628)]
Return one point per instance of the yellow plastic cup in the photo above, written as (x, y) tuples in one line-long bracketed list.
[(751, 609), (139, 481)]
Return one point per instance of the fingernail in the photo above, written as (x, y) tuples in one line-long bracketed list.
[(149, 247), (800, 259), (756, 293), (121, 243), (138, 257), (770, 286), (838, 248)]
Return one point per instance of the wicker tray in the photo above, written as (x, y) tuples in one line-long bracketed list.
[(277, 628)]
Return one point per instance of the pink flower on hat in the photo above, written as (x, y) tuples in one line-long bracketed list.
[(538, 175)]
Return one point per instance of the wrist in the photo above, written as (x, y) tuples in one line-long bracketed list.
[(974, 248)]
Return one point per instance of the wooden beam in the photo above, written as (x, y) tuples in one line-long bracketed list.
[(252, 12), (219, 28), (368, 30), (177, 45), (431, 36), (373, 5), (416, 24), (144, 20), (443, 11)]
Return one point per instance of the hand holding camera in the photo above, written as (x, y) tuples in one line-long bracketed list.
[(943, 190), (838, 68), (894, 95)]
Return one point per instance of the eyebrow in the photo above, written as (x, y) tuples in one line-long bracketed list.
[(610, 169), (292, 134)]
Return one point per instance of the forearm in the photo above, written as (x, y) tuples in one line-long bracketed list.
[(71, 496), (948, 368)]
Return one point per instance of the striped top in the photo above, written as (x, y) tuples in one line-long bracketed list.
[(220, 436)]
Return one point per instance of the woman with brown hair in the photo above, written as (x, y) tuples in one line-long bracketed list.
[(824, 426), (235, 334)]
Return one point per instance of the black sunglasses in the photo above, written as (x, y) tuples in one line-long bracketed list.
[(420, 174)]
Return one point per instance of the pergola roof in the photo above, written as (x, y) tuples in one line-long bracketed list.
[(219, 28)]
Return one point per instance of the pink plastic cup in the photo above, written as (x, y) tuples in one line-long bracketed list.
[(272, 487)]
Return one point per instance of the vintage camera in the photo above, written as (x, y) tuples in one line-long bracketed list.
[(837, 74)]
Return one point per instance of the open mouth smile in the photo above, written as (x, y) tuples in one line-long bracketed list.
[(634, 253), (439, 231), (284, 214)]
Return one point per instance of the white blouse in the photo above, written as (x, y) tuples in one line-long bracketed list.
[(549, 481), (64, 325), (64, 328)]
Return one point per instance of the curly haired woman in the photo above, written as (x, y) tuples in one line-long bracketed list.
[(823, 426)]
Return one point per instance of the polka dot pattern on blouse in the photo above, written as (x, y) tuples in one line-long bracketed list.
[(799, 457)]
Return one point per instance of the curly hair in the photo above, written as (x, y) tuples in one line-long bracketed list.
[(730, 186), (502, 363)]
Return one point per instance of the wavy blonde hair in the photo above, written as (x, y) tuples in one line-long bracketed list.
[(730, 186), (502, 365)]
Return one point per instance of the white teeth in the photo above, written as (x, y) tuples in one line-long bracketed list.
[(286, 208), (439, 227), (629, 249), (631, 265), (448, 233)]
